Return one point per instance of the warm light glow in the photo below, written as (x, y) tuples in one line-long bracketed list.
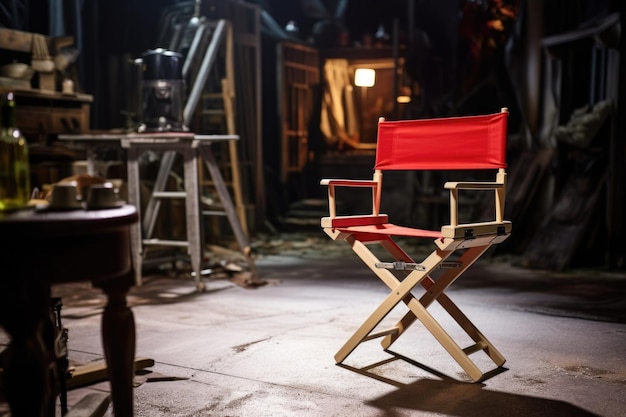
[(404, 95), (364, 77)]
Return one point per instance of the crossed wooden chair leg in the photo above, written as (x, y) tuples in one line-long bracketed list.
[(420, 274)]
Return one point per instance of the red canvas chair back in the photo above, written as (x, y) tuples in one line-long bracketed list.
[(470, 142)]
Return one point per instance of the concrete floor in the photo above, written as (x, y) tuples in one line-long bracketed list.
[(268, 351)]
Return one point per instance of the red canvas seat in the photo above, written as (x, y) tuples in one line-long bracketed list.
[(454, 143)]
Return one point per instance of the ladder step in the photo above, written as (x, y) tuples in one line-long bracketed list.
[(213, 111), (165, 242), (381, 333), (213, 213), (475, 348), (169, 194), (211, 183), (213, 95)]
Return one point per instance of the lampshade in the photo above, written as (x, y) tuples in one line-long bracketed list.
[(364, 77)]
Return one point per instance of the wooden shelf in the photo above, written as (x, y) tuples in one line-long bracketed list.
[(41, 114)]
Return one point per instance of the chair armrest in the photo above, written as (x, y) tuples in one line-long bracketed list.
[(473, 185), (332, 183), (349, 183), (498, 186), (348, 221), (473, 230)]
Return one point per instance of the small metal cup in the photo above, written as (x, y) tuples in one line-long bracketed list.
[(101, 196), (64, 196)]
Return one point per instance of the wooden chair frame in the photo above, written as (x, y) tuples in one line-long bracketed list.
[(471, 239)]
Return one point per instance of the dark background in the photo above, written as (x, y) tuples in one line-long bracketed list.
[(114, 28)]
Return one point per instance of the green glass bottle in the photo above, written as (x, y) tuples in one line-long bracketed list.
[(14, 170)]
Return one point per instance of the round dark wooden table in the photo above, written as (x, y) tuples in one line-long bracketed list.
[(41, 248)]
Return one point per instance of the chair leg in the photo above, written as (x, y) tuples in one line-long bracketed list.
[(401, 291), (434, 289), (481, 341), (445, 340)]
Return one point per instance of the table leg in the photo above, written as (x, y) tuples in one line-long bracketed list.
[(118, 339), (192, 211), (134, 193)]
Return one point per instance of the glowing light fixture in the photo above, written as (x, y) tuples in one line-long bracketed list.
[(404, 95), (364, 77)]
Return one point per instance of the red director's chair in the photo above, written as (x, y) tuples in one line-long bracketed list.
[(453, 143)]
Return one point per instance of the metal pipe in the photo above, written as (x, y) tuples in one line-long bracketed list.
[(203, 73)]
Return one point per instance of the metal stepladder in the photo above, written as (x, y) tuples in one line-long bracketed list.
[(208, 38), (216, 112)]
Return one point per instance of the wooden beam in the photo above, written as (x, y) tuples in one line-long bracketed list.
[(16, 40)]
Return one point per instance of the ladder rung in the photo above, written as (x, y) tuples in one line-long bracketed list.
[(213, 95), (209, 183), (381, 333), (213, 213), (169, 194), (297, 132), (475, 348), (164, 242)]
